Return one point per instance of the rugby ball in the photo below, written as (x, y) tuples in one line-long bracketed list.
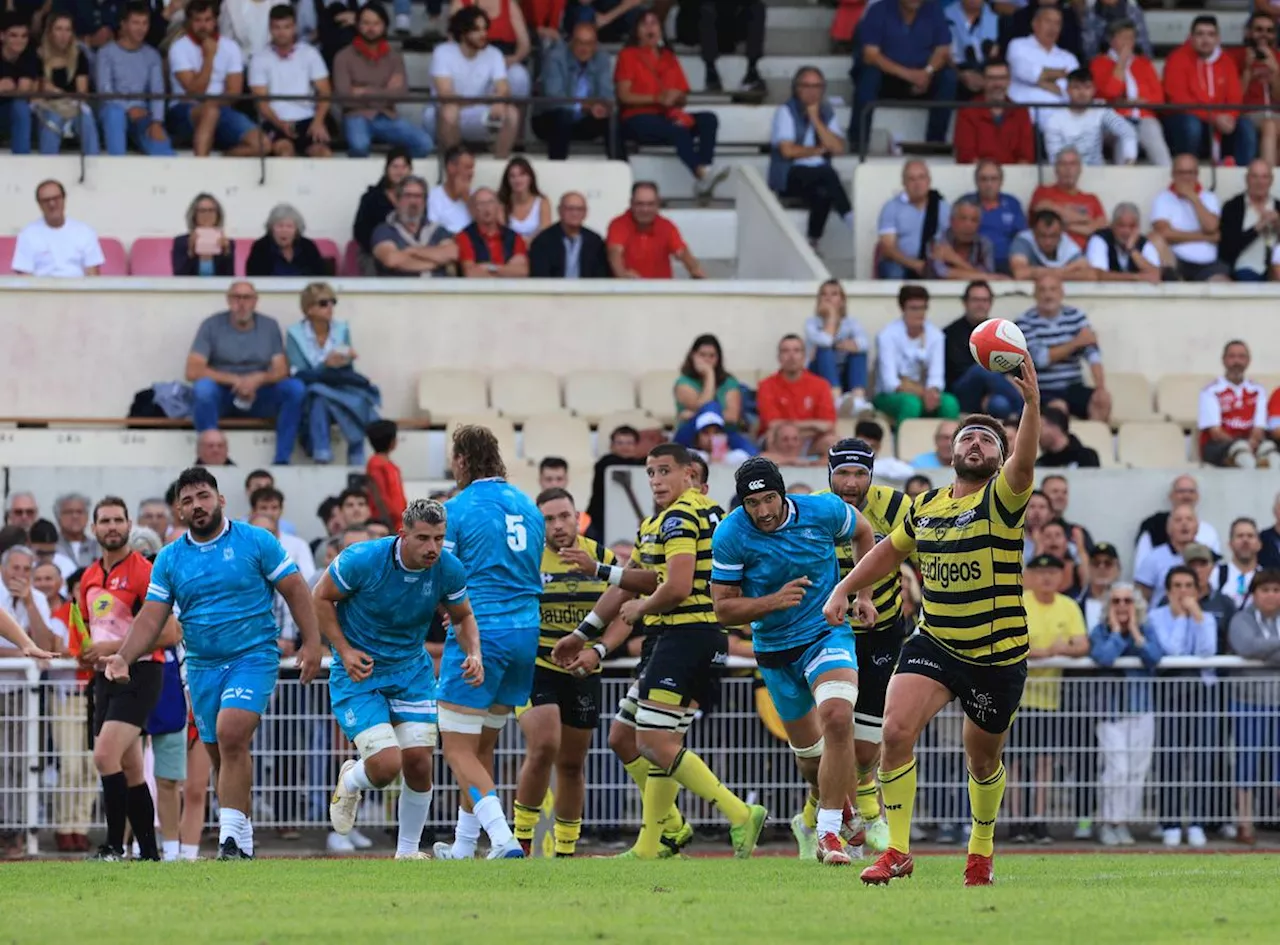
[(998, 345)]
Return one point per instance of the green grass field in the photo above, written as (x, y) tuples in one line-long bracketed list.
[(1038, 900)]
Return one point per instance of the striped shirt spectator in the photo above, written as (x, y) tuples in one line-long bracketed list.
[(1084, 126), (1059, 340)]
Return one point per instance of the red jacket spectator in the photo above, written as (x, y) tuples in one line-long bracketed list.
[(1113, 88), (386, 490), (1190, 80), (544, 14), (807, 397), (980, 137), (650, 72), (1256, 91)]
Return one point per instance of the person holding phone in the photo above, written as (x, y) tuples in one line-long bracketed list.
[(204, 250)]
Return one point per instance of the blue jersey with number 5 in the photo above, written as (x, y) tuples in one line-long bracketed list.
[(497, 532)]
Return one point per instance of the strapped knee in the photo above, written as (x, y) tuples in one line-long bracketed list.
[(813, 751), (416, 735), (655, 719), (627, 706), (496, 720), (867, 728), (376, 738), (686, 721), (462, 723), (836, 689)]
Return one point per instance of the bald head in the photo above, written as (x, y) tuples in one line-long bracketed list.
[(573, 212), (211, 448)]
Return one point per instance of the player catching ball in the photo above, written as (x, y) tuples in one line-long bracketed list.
[(773, 562), (972, 644)]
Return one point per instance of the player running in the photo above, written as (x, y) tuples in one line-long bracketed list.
[(564, 708), (374, 604), (223, 577), (679, 670), (850, 466), (773, 565), (497, 534), (972, 644)]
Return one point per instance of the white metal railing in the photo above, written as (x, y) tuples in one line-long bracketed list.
[(1197, 744)]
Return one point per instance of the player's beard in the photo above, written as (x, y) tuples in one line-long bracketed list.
[(114, 543), (979, 470), (209, 530)]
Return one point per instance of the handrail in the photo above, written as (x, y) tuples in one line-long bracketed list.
[(741, 662)]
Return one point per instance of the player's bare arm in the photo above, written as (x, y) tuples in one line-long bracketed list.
[(586, 661), (297, 596), (605, 612), (630, 577), (325, 597), (1020, 470), (140, 639), (10, 630), (734, 609), (670, 593), (467, 633), (884, 559)]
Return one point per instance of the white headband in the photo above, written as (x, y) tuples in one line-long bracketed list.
[(977, 428)]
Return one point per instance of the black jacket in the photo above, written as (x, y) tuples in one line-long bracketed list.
[(546, 255), (956, 354), (1075, 454), (184, 264), (1269, 556), (1233, 238), (307, 261), (375, 207)]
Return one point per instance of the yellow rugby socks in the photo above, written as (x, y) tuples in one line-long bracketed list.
[(526, 821), (810, 812), (984, 799), (693, 773), (566, 833), (899, 789), (660, 790), (868, 794)]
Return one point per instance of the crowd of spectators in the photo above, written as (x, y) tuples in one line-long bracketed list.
[(1065, 230)]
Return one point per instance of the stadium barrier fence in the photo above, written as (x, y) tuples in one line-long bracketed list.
[(1190, 746)]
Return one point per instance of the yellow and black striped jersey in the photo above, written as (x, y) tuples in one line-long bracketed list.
[(970, 555), (682, 528), (567, 597), (885, 508)]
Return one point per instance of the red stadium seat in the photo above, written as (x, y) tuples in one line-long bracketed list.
[(243, 247), (350, 260), (151, 256), (329, 251), (116, 259), (7, 244)]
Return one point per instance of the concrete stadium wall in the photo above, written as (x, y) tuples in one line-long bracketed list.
[(1111, 504), (876, 181), (769, 247), (129, 197), (82, 349)]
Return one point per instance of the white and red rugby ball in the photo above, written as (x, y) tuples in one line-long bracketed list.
[(998, 345)]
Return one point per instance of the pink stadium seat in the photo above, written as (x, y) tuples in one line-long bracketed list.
[(243, 246), (117, 261), (7, 244), (329, 250), (350, 260), (151, 256)]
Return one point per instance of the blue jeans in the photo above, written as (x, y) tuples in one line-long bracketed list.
[(872, 84), (362, 132), (118, 130), (1003, 399), (52, 128), (1187, 134), (847, 375), (282, 400), (15, 118), (319, 430), (696, 146)]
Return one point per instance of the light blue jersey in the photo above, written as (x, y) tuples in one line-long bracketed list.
[(225, 589), (762, 562), (388, 608), (497, 533)]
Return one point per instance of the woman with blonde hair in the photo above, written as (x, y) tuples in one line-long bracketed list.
[(320, 355), (205, 249), (283, 250), (64, 69), (1126, 726), (838, 346)]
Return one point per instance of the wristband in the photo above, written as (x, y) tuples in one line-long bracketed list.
[(601, 650), (609, 572), (590, 628)]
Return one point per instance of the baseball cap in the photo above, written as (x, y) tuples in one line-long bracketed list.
[(1196, 552), (708, 419), (1104, 549), (1046, 561)]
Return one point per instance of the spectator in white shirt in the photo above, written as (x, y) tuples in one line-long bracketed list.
[(1149, 573), (56, 246), (290, 67), (1232, 415), (1233, 576), (201, 62), (1038, 65), (18, 598), (910, 363), (268, 503), (449, 203), (1120, 253), (1188, 218), (1154, 529), (469, 67), (1085, 124)]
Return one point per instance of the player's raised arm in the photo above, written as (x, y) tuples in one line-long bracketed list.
[(1020, 470), (140, 639), (297, 596), (467, 633), (324, 598)]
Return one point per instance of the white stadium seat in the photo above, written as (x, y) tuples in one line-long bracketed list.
[(519, 393), (592, 394)]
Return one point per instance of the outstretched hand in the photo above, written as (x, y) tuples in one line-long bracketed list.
[(1028, 384)]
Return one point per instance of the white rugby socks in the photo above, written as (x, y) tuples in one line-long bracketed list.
[(356, 779), (829, 821), (414, 806), (465, 835), (494, 820)]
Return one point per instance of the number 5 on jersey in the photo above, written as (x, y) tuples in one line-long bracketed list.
[(517, 534)]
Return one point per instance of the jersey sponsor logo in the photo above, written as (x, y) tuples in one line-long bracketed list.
[(350, 716), (565, 615), (920, 661), (237, 692), (720, 659), (813, 534), (922, 523), (946, 573), (981, 704), (413, 579), (671, 526), (966, 518), (882, 659)]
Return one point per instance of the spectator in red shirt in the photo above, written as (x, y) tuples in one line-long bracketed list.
[(1196, 74), (486, 248), (1260, 79), (1122, 74), (1231, 415), (799, 396), (642, 241), (1081, 212), (1001, 133), (653, 90), (386, 488)]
